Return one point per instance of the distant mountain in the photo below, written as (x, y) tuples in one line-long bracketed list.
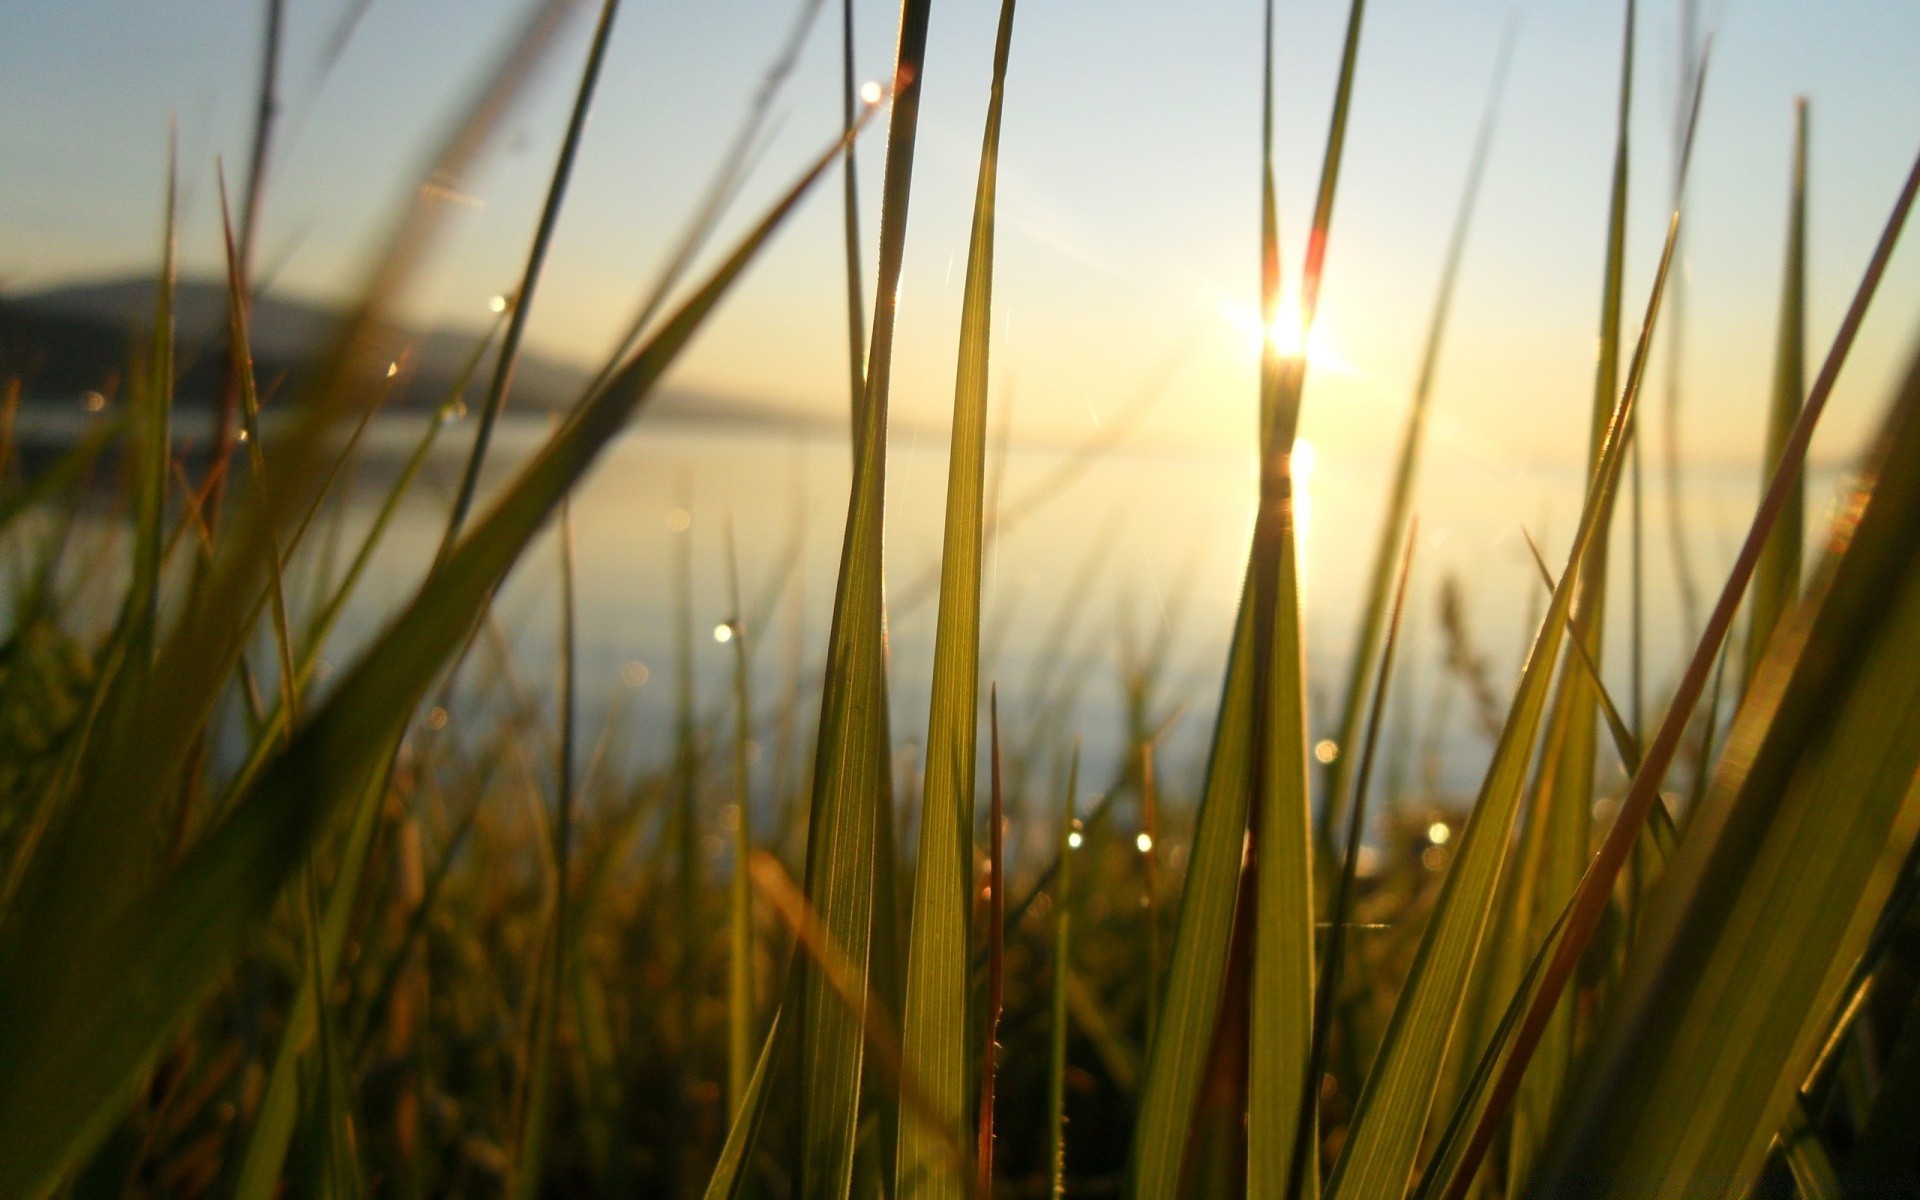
[(79, 337)]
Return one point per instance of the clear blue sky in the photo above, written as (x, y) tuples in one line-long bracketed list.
[(1128, 202)]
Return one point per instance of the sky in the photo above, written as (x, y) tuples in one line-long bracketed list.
[(1128, 203)]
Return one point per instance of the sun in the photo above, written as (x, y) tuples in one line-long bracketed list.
[(1287, 336)]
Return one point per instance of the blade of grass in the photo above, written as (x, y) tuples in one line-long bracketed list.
[(739, 889), (1340, 912), (1062, 966), (1834, 712), (743, 1133), (851, 815), (530, 1161), (521, 301), (850, 215), (1597, 884), (1392, 1110), (1776, 582), (1280, 823), (996, 961), (939, 950)]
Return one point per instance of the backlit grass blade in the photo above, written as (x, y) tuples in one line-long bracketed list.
[(996, 960), (1776, 582), (151, 454), (850, 215), (852, 806), (1698, 1068), (939, 948), (521, 301), (1062, 968), (1280, 825), (1596, 885), (78, 1026), (1388, 1120), (1258, 755), (1339, 912), (739, 888), (729, 1174)]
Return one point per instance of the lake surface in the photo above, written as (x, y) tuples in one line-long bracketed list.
[(1096, 554)]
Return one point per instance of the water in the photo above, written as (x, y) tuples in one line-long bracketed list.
[(1097, 554)]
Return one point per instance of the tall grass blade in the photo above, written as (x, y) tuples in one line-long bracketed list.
[(850, 217), (1698, 1068), (1776, 582), (1596, 886), (1280, 1008), (849, 849), (1384, 1138), (1339, 912), (1062, 967), (739, 887), (996, 961), (939, 953), (521, 301), (729, 1176)]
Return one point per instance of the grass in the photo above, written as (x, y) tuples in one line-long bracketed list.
[(263, 934)]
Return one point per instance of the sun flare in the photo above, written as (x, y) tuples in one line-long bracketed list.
[(1287, 334)]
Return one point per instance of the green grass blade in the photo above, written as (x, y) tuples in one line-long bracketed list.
[(848, 850), (996, 959), (1280, 1007), (78, 1028), (729, 1175), (739, 887), (850, 219), (273, 1123), (939, 948), (1391, 1114), (1340, 913), (522, 299), (1596, 885), (1698, 1068), (1062, 966), (1776, 582)]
